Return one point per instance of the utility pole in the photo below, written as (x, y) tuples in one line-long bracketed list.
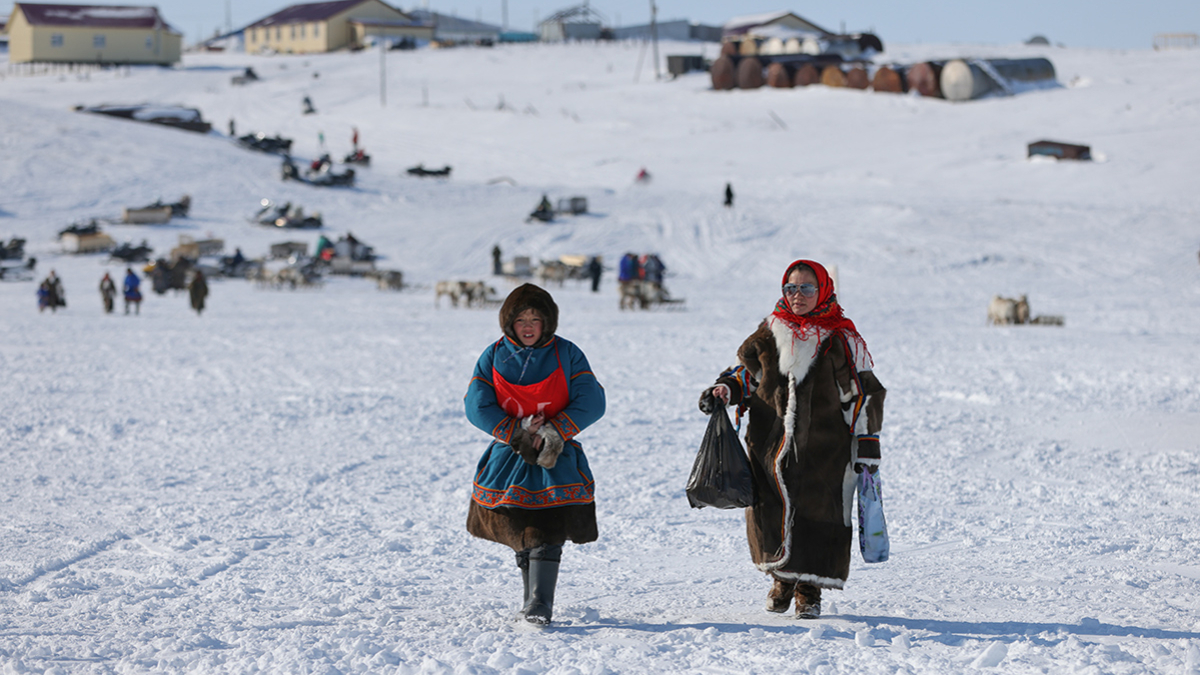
[(228, 18), (654, 36), (504, 16), (383, 73)]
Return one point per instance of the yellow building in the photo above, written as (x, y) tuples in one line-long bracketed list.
[(90, 34), (329, 26)]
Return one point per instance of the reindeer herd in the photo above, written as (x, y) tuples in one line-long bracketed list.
[(470, 293), (1015, 311)]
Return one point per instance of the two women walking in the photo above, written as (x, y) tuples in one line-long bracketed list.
[(815, 409)]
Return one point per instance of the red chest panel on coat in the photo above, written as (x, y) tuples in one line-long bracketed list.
[(548, 397)]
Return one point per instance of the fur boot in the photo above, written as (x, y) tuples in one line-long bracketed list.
[(780, 597), (808, 601), (543, 577)]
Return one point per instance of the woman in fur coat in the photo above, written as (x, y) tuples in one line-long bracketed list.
[(533, 392), (815, 411)]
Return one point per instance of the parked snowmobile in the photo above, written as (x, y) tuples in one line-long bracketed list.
[(130, 253), (544, 211), (420, 170), (13, 250), (286, 216), (323, 177), (358, 157), (275, 145), (22, 271), (92, 227), (11, 266), (179, 208)]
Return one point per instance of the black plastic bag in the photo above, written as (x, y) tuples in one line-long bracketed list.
[(721, 475)]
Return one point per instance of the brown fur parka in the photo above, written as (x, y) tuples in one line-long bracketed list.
[(800, 526)]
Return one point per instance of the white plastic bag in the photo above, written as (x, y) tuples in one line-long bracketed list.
[(872, 528)]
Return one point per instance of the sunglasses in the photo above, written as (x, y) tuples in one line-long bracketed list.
[(807, 290)]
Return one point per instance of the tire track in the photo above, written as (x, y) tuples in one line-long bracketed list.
[(58, 564)]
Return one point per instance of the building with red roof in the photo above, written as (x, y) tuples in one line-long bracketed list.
[(91, 34), (330, 26)]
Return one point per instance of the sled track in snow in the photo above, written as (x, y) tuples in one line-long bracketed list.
[(57, 564)]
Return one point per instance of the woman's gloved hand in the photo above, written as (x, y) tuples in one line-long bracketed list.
[(708, 399)]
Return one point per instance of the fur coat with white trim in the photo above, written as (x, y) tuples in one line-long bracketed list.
[(815, 409)]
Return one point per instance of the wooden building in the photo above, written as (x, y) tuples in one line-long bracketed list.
[(330, 26), (91, 34)]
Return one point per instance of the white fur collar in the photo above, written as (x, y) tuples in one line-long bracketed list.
[(796, 355)]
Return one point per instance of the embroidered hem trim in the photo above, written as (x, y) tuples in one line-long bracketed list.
[(551, 497)]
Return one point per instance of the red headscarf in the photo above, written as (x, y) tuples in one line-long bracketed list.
[(826, 318)]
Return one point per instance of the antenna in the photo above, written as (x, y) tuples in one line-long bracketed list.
[(654, 36)]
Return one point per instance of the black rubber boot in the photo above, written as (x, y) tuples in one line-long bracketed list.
[(543, 577), (523, 564)]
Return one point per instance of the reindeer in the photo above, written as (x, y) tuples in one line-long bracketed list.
[(388, 280), (451, 289), (1004, 311)]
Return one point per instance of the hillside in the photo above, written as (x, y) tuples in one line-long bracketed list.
[(280, 485)]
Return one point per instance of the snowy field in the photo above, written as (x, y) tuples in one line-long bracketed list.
[(281, 485)]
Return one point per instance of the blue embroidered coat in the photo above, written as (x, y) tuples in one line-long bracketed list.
[(514, 502)]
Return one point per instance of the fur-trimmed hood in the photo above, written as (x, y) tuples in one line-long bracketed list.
[(529, 296)]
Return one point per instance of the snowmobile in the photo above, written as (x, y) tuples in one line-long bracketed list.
[(179, 208), (275, 145), (420, 170), (358, 157), (285, 216), (92, 227), (130, 253), (323, 177), (328, 178), (544, 215), (13, 250), (247, 76), (237, 266), (544, 211), (23, 271)]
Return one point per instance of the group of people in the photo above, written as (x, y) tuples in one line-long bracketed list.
[(131, 289), (815, 409), (648, 267), (50, 292)]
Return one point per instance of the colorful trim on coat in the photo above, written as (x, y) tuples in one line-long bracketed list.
[(504, 430), (551, 497), (565, 426)]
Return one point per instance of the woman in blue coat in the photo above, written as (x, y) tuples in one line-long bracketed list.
[(533, 392)]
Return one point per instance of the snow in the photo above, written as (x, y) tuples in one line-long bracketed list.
[(86, 13), (281, 485)]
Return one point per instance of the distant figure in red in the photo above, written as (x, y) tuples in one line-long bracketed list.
[(108, 292), (643, 176)]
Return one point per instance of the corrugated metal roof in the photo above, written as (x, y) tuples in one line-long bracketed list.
[(313, 11), (452, 24), (97, 16), (743, 24)]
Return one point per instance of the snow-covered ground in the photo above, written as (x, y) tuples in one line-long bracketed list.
[(281, 485)]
